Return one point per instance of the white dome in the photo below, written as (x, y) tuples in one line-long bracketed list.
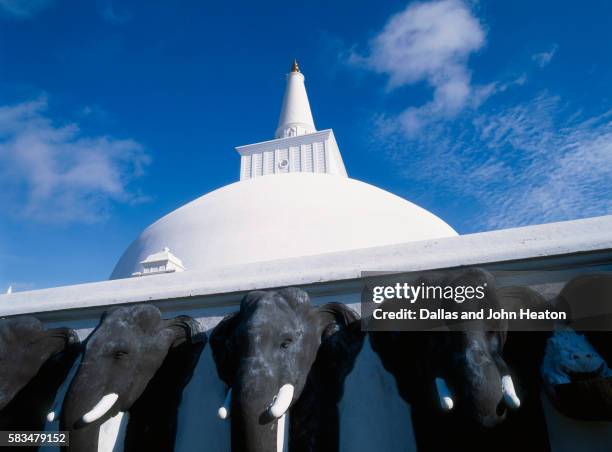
[(282, 216)]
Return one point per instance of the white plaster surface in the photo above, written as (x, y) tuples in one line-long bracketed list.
[(295, 117), (198, 422), (282, 216), (554, 239)]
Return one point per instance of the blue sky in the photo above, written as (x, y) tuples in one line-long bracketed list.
[(490, 114)]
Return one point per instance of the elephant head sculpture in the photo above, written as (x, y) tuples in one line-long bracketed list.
[(462, 371), (459, 381), (588, 299), (576, 368), (121, 358), (25, 348), (280, 355)]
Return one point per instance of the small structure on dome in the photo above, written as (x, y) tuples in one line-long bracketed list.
[(297, 147), (161, 262)]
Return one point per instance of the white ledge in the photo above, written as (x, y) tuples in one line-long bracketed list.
[(320, 135), (553, 239)]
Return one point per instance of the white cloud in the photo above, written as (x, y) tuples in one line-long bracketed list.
[(53, 173), (521, 163), (526, 163), (429, 42), (23, 8), (557, 169), (544, 58)]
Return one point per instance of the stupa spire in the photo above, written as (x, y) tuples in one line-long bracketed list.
[(296, 117), (297, 146)]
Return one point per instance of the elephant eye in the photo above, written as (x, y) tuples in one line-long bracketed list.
[(119, 354), (286, 343)]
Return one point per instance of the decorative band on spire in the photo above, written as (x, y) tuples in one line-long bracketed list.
[(295, 67)]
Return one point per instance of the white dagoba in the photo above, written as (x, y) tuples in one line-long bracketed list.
[(294, 198)]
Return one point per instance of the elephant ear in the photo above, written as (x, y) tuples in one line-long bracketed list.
[(525, 340), (341, 338), (514, 298), (334, 317), (184, 329), (221, 343), (407, 355)]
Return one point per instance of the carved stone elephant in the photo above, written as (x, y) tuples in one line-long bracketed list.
[(282, 357), (456, 380), (576, 369), (135, 366), (33, 364)]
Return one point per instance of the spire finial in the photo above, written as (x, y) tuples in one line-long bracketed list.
[(295, 67)]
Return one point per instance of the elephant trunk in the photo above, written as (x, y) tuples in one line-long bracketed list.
[(85, 408), (84, 404), (258, 412), (84, 419), (482, 392)]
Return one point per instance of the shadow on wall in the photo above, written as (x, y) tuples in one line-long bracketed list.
[(198, 421), (34, 363), (372, 414)]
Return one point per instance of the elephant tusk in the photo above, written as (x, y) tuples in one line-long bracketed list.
[(50, 416), (101, 408), (281, 402), (224, 411), (510, 396), (446, 401)]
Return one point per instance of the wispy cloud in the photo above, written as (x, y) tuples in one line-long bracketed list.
[(112, 15), (520, 163), (53, 173), (558, 164), (542, 59), (429, 42), (525, 163), (22, 9)]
